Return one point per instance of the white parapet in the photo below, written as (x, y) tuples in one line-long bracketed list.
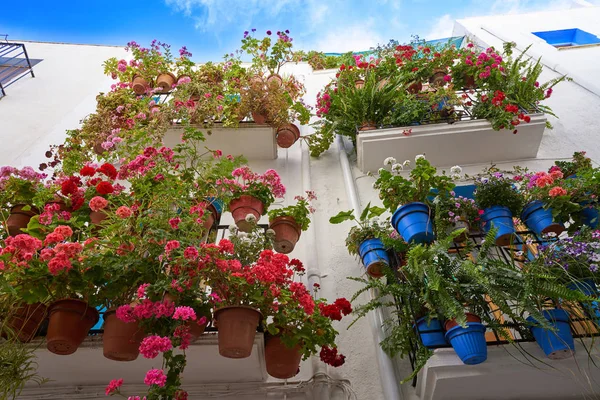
[(462, 143), (253, 141)]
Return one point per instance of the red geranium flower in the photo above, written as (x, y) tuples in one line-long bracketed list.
[(87, 171), (108, 170), (104, 188)]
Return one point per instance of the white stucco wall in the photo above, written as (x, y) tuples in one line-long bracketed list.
[(36, 112)]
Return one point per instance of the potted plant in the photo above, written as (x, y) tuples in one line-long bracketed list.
[(456, 213), (289, 222), (408, 198), (252, 194), (24, 193), (499, 199), (366, 238), (547, 199), (300, 326)]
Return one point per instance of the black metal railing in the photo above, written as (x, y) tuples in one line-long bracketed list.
[(522, 249), (14, 64)]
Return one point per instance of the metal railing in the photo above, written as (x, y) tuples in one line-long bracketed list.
[(14, 64), (523, 248)]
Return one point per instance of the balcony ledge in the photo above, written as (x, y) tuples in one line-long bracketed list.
[(445, 145), (508, 375), (253, 141), (88, 367)]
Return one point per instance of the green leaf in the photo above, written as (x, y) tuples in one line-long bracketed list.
[(365, 213), (342, 216), (376, 211)]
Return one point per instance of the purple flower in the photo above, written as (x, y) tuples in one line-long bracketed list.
[(593, 267), (269, 33)]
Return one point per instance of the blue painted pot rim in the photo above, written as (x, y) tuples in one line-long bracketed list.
[(530, 208), (217, 204), (471, 327), (409, 208), (556, 314)]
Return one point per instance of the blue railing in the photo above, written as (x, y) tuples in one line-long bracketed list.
[(14, 64)]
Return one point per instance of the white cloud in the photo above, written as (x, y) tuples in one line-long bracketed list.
[(340, 39), (442, 28)]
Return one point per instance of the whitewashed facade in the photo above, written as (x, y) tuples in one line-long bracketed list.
[(37, 111)]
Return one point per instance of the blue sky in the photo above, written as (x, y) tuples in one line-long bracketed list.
[(210, 28)]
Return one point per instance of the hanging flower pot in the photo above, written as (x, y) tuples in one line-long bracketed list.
[(139, 85), (237, 328), (470, 82), (282, 362), (432, 334), (165, 82), (589, 215), (539, 219), (437, 79), (196, 329), (414, 223), (70, 322), (499, 217), (414, 87), (121, 340), (215, 208), (374, 257), (26, 320), (367, 126), (287, 135), (18, 219), (359, 83), (469, 343), (460, 224), (275, 79), (558, 343), (96, 217), (451, 323), (259, 118), (588, 287), (287, 234), (243, 206)]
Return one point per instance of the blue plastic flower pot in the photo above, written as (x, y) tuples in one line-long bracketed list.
[(499, 217), (589, 215), (217, 204), (432, 335), (374, 257), (540, 220), (414, 223), (588, 287), (557, 344), (469, 343)]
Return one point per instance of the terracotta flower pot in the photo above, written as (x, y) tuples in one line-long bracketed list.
[(70, 322), (359, 83), (196, 329), (212, 217), (437, 79), (282, 362), (287, 234), (451, 323), (259, 118), (26, 320), (165, 82), (237, 327), (275, 78), (139, 85), (18, 219), (414, 87), (121, 340), (367, 126), (287, 135), (470, 82), (243, 206), (96, 217)]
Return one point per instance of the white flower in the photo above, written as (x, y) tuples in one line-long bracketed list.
[(233, 228), (397, 168), (456, 169), (406, 163), (551, 234), (455, 177), (381, 170), (389, 161), (419, 156), (270, 232), (375, 185), (519, 253), (250, 218)]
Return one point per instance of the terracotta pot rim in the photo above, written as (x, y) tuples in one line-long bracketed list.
[(167, 73), (218, 310), (88, 309), (285, 220)]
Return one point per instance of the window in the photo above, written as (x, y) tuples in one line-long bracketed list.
[(568, 38)]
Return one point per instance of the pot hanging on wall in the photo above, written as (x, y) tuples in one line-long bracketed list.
[(165, 82), (139, 85), (237, 328), (374, 257), (287, 234), (243, 206), (282, 362), (121, 340), (18, 219), (287, 135), (70, 321)]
